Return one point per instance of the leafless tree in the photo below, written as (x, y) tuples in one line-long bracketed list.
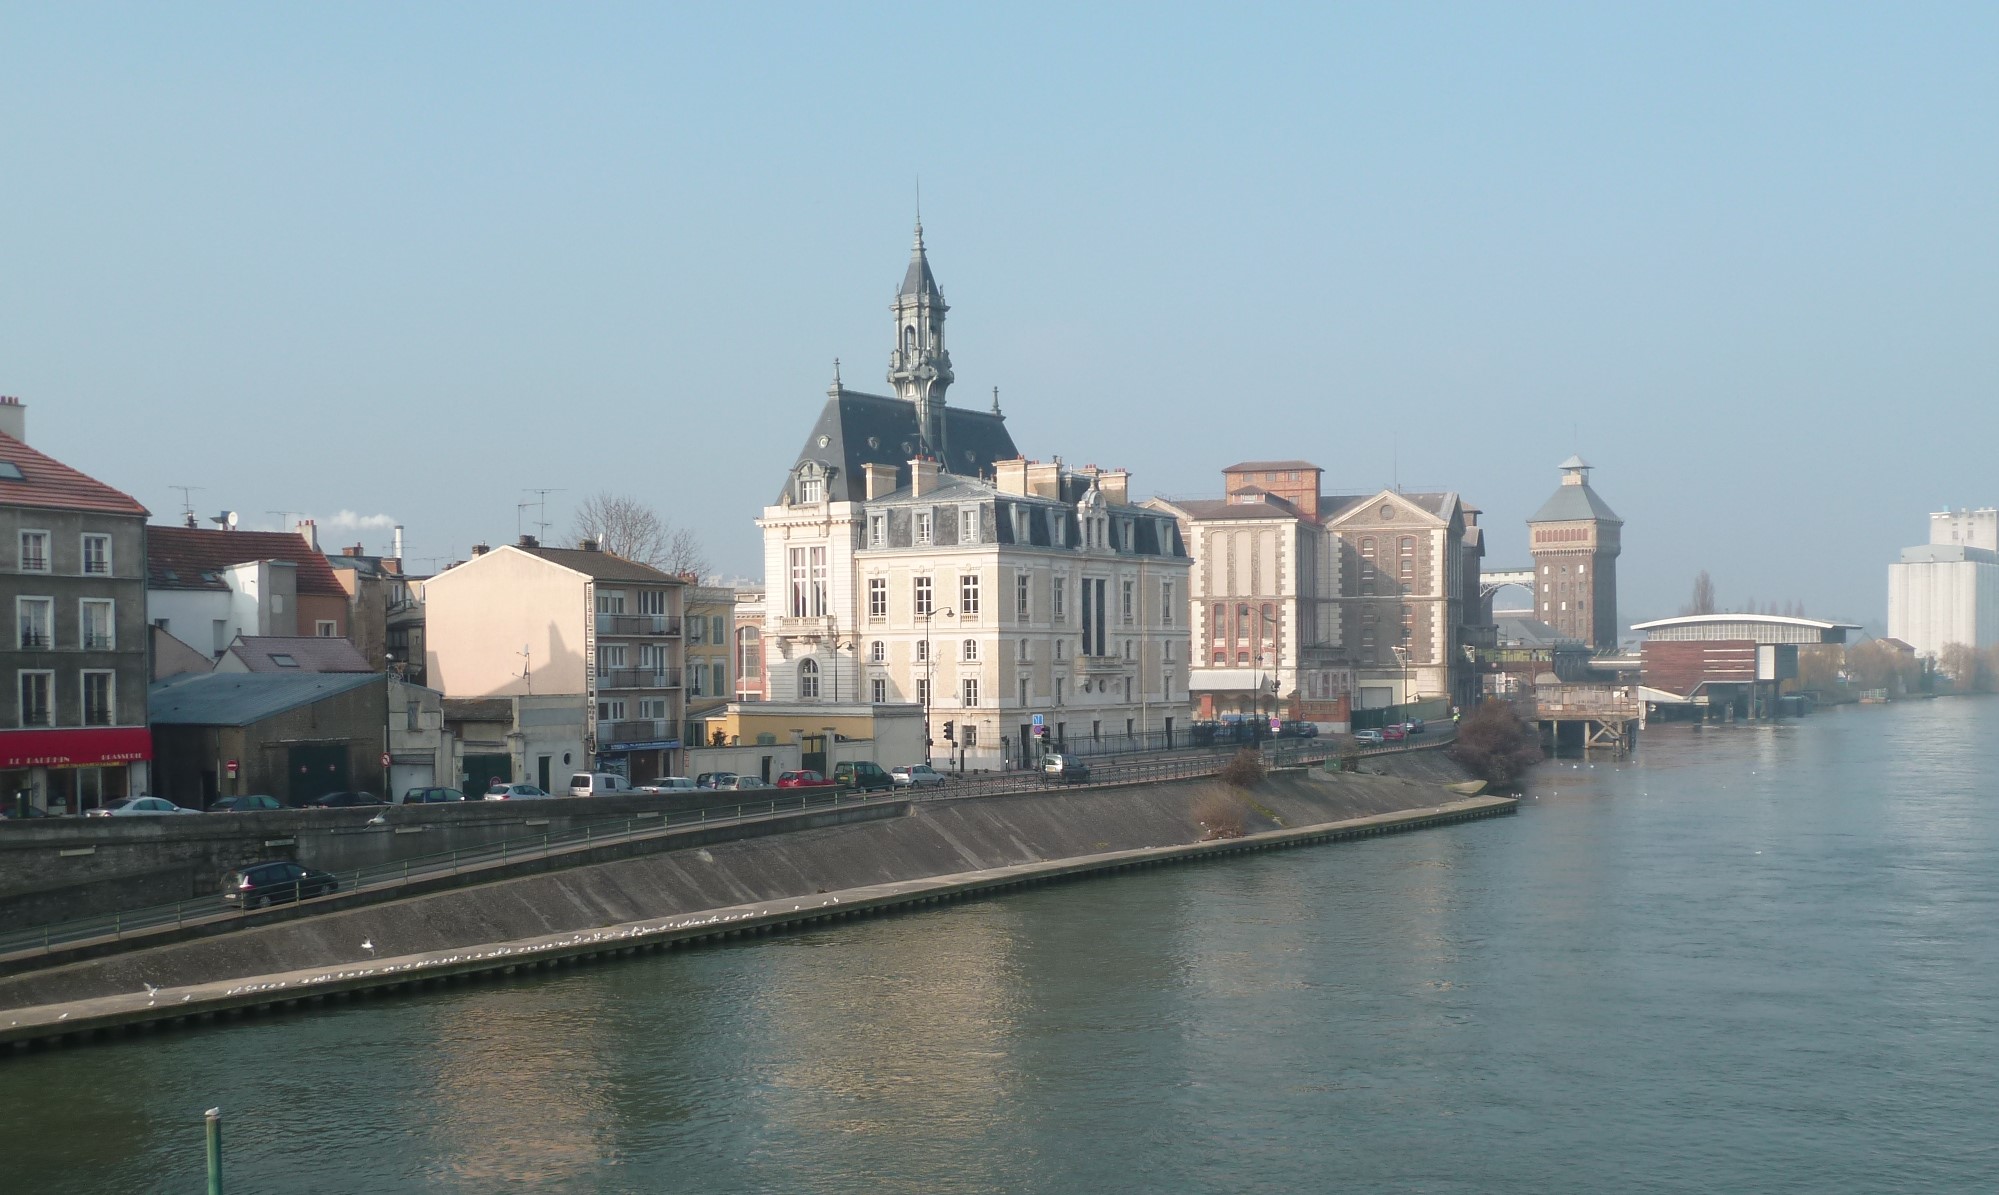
[(624, 526), (1703, 599)]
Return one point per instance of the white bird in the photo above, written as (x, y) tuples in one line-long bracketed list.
[(63, 1017), (151, 989), (368, 944), (186, 998)]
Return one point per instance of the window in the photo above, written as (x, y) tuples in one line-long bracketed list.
[(611, 711), (1127, 701), (1061, 646), (1022, 525), (925, 605), (1056, 594), (34, 551), (811, 488), (968, 595), (878, 690), (35, 616), (610, 601), (923, 690), (877, 597), (971, 651), (1127, 649), (650, 707), (326, 628), (1128, 602), (1021, 605), (1022, 652), (1055, 528), (97, 555), (1581, 569), (877, 652), (922, 650), (653, 602), (99, 625), (808, 582), (1023, 690), (715, 632), (1166, 603), (610, 655), (968, 691), (697, 630), (923, 533), (277, 603), (1166, 651), (1058, 696), (877, 530), (284, 659), (694, 686), (37, 696), (968, 526), (808, 678), (749, 652)]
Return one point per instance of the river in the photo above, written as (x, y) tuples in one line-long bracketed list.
[(1750, 959)]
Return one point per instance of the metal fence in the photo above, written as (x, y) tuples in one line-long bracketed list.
[(1185, 764)]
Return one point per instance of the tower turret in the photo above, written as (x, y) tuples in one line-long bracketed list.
[(919, 368), (1575, 538)]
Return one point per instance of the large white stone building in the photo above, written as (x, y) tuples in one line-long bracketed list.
[(1947, 591), (914, 556)]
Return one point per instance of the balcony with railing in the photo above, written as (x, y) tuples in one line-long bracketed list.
[(97, 641), (639, 678), (34, 640), (636, 730), (1102, 665), (650, 625)]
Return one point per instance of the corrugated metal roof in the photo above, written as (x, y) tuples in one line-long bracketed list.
[(47, 483), (195, 557), (243, 698)]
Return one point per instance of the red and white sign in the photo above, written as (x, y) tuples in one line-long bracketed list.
[(385, 759), (82, 748), (230, 767)]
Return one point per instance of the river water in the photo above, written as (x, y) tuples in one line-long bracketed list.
[(1752, 959)]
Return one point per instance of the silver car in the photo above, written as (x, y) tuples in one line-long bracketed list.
[(137, 807), (915, 775)]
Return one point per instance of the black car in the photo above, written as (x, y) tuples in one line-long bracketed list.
[(354, 800), (1298, 730), (274, 881), (250, 804), (431, 796)]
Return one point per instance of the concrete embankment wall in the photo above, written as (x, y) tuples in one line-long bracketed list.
[(936, 839)]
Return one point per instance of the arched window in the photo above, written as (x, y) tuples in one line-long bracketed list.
[(1242, 659), (808, 678), (877, 652), (908, 341), (971, 649), (1269, 621)]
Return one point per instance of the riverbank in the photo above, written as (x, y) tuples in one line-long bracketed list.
[(946, 850)]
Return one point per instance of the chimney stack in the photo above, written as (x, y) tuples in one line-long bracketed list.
[(309, 531), (480, 549), (397, 550), (529, 541), (922, 476), (14, 417), (880, 480), (590, 545)]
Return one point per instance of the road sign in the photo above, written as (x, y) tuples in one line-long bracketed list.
[(231, 768), (385, 759), (1037, 722), (1040, 731)]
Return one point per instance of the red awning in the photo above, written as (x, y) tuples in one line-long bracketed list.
[(74, 748)]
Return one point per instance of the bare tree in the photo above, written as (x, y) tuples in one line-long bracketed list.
[(1703, 599), (626, 527)]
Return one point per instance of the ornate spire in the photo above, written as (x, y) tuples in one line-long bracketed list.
[(919, 367)]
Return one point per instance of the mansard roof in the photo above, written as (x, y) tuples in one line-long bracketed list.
[(873, 429)]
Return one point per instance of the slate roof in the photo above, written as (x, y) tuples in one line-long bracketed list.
[(874, 429), (603, 566), (243, 698), (1333, 507), (194, 557), (1209, 509), (309, 653), (47, 483), (1269, 466), (1574, 502), (918, 280)]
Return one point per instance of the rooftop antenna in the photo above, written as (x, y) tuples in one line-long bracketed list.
[(1395, 460), (284, 518), (541, 503), (187, 503)]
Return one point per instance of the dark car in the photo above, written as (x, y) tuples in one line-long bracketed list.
[(22, 809), (431, 796), (862, 775), (1298, 730), (274, 881), (256, 803), (1064, 769), (1413, 726), (352, 800)]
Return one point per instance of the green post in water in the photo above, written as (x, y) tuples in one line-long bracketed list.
[(214, 1119)]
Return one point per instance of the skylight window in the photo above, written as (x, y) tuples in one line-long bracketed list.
[(9, 471), (283, 661)]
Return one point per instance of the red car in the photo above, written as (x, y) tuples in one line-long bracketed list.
[(806, 778), (1393, 733)]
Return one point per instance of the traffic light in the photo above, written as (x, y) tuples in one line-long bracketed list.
[(949, 734)]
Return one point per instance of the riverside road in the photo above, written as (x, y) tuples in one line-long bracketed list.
[(1752, 959)]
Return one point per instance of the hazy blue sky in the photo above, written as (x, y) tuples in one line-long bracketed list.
[(410, 260)]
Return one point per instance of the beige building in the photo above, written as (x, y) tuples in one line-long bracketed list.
[(1408, 607), (568, 622), (710, 646)]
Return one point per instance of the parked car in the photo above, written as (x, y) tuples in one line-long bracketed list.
[(742, 784), (1064, 769), (803, 778), (430, 796), (23, 809), (1298, 730), (347, 800), (862, 775), (1369, 738), (915, 775), (249, 804), (136, 807), (661, 785), (599, 784), (713, 780), (516, 792), (275, 880), (1413, 726), (1394, 732)]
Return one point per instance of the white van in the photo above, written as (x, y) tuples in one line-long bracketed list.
[(598, 784)]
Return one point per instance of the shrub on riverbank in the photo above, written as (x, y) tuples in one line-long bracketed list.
[(1496, 744), (1245, 770), (1219, 812)]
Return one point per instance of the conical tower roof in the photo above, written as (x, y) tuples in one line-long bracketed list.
[(918, 280)]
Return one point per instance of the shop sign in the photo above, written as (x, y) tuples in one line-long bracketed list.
[(79, 748)]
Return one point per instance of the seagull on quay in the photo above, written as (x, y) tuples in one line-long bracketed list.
[(368, 944)]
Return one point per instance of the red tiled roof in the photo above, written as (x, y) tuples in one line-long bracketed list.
[(306, 653), (48, 483), (194, 557)]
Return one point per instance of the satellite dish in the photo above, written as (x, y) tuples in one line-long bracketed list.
[(230, 515)]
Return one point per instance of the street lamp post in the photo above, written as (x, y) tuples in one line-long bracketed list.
[(930, 672)]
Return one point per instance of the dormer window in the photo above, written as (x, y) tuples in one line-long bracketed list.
[(811, 488), (923, 527), (968, 525)]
